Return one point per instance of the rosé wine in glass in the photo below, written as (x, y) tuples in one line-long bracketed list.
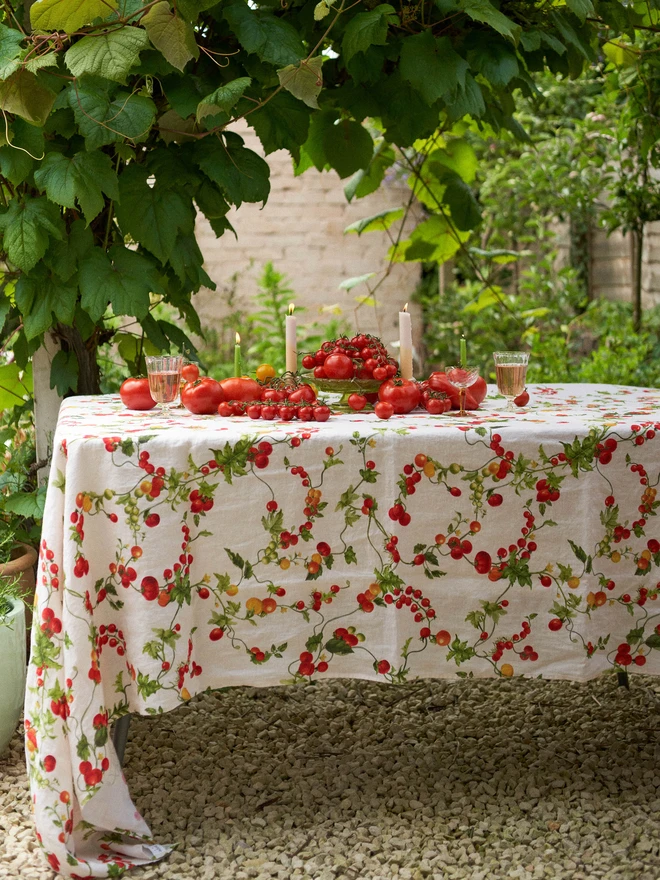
[(164, 379), (511, 372)]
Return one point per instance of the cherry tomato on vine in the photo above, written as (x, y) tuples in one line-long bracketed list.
[(435, 406), (225, 409), (338, 366), (309, 362), (265, 372), (321, 413), (268, 411), (522, 399), (306, 413), (319, 373), (384, 410), (254, 411), (190, 373), (357, 402), (380, 374)]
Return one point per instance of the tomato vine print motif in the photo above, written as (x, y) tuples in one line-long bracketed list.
[(194, 552)]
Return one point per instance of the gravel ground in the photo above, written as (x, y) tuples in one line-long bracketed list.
[(348, 779)]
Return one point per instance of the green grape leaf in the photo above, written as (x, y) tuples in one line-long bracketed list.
[(304, 80), (458, 155), (581, 8), (463, 206), (104, 120), (272, 39), (282, 123), (10, 49), (82, 179), (152, 215), (120, 277), (64, 372), (367, 29), (25, 96), (431, 65), (39, 295), (367, 180), (26, 145), (27, 227), (381, 221), (63, 256), (223, 98), (348, 146), (494, 59), (241, 174), (484, 11), (434, 239), (312, 151), (68, 15), (171, 35), (110, 55)]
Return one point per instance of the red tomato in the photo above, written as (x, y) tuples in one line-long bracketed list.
[(321, 413), (306, 413), (268, 411), (403, 394), (319, 373), (435, 406), (135, 394), (357, 401), (241, 388), (380, 373), (338, 366), (303, 393), (309, 362), (202, 396), (225, 409), (522, 399), (190, 373), (384, 410), (475, 393), (254, 411)]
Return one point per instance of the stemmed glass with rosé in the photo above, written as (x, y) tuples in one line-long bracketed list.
[(164, 379), (511, 372)]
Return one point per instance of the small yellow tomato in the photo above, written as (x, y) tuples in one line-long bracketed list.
[(265, 372)]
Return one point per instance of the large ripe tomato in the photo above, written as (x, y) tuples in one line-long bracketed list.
[(135, 394), (203, 396), (475, 393), (241, 388), (338, 366), (403, 394)]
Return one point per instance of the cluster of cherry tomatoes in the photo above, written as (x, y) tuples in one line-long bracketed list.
[(255, 409), (359, 357)]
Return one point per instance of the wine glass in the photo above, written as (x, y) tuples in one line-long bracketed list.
[(462, 377), (511, 371), (164, 374)]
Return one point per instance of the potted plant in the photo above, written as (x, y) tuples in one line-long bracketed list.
[(12, 637)]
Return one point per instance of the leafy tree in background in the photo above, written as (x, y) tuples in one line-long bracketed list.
[(116, 131)]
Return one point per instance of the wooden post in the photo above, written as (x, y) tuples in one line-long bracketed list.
[(46, 402)]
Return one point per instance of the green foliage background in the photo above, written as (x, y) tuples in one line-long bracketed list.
[(117, 118)]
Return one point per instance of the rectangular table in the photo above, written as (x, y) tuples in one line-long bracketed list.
[(197, 552)]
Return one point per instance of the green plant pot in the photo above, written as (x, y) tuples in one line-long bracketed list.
[(12, 670), (21, 567)]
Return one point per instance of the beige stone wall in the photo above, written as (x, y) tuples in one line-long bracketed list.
[(300, 230)]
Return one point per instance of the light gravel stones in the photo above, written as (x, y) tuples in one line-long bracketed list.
[(470, 780)]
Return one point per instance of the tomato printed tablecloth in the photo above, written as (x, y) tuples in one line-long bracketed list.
[(196, 552)]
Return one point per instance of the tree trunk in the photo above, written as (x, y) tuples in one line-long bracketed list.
[(89, 377), (637, 242)]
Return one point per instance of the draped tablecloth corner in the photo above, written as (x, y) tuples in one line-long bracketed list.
[(194, 552)]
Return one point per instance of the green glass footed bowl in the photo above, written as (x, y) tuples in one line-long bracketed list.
[(346, 387)]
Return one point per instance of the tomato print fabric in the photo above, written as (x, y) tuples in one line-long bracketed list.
[(197, 552)]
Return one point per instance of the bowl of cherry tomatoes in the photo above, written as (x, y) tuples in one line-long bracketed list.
[(352, 367)]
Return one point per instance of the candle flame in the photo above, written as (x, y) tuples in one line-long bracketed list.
[(238, 339), (405, 308), (291, 308)]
